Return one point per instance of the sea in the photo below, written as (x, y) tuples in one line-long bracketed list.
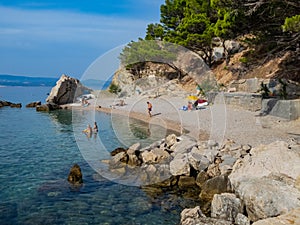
[(37, 150)]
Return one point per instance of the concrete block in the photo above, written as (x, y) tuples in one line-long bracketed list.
[(244, 100), (286, 109)]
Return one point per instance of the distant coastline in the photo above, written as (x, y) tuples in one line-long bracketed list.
[(25, 81)]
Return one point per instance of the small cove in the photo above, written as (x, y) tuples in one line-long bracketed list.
[(37, 151)]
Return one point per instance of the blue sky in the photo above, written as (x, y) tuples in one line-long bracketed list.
[(51, 37)]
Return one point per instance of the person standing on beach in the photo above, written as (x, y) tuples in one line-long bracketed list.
[(149, 105)]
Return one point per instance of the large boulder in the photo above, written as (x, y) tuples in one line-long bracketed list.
[(195, 216), (266, 181), (276, 157), (226, 206), (266, 197), (216, 185), (180, 165), (66, 90), (292, 217)]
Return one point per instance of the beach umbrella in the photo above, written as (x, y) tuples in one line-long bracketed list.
[(192, 97)]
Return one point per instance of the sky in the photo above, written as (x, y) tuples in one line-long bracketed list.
[(47, 38)]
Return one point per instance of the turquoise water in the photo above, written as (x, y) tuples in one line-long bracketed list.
[(37, 151)]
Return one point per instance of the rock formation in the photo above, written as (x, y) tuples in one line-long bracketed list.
[(47, 107), (266, 180), (66, 90), (33, 104), (75, 175), (238, 184), (12, 105)]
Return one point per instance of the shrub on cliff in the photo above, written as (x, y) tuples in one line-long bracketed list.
[(114, 88)]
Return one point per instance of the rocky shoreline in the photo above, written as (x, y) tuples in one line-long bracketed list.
[(237, 184), (10, 104), (253, 178)]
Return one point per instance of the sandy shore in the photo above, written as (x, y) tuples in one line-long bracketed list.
[(217, 122)]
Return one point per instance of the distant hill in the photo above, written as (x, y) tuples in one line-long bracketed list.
[(11, 80)]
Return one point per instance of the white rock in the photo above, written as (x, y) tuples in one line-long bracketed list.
[(226, 206)]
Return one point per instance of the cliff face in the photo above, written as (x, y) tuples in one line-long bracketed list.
[(286, 66), (245, 64)]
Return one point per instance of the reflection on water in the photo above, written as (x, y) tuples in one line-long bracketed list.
[(63, 117)]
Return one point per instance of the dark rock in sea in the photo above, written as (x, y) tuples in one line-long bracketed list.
[(117, 151), (47, 107), (5, 103), (33, 104), (16, 105), (75, 175), (13, 105)]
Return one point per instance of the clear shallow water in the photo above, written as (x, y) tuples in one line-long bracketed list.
[(37, 151)]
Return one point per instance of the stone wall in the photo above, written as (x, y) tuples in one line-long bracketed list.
[(242, 100), (253, 85), (287, 109)]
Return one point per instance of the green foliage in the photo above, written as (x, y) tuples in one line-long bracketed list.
[(208, 84), (243, 60), (282, 92), (292, 24), (265, 92), (147, 51), (155, 32), (114, 88), (265, 20), (193, 24)]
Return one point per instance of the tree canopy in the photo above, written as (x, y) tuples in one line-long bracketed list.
[(195, 23)]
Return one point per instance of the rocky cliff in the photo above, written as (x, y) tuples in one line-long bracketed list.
[(244, 63), (66, 90)]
